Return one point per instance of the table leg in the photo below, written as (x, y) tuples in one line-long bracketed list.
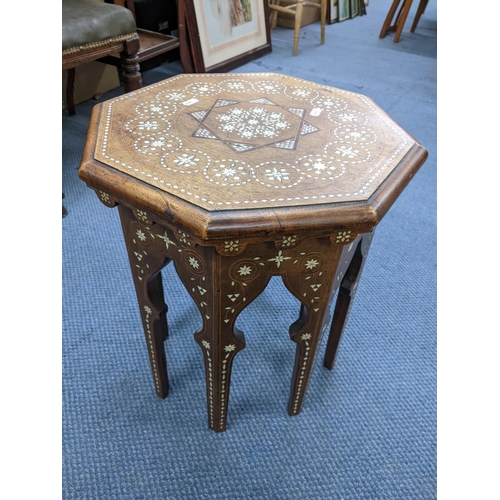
[(313, 289), (345, 298), (146, 261), (221, 287)]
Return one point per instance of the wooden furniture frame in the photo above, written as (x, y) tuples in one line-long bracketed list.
[(151, 43), (332, 14), (296, 11), (128, 63), (395, 22), (126, 54), (236, 178)]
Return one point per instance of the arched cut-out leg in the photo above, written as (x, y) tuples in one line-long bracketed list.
[(311, 282), (221, 287), (345, 298), (146, 261)]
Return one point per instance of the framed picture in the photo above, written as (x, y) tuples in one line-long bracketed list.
[(225, 34), (354, 8), (333, 11), (362, 7), (343, 10)]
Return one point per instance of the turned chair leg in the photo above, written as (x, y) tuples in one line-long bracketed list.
[(130, 72), (298, 22), (323, 20)]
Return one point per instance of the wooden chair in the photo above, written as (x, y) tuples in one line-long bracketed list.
[(401, 16), (92, 30), (296, 10), (151, 43)]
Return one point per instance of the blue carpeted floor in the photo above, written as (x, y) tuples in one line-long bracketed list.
[(368, 428)]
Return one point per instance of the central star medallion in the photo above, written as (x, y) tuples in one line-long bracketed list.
[(245, 126)]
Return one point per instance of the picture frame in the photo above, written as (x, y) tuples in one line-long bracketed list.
[(225, 34), (344, 11), (333, 11), (354, 8), (362, 7)]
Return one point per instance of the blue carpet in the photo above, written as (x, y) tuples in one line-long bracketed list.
[(367, 429)]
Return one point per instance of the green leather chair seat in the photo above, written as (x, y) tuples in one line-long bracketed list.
[(87, 22)]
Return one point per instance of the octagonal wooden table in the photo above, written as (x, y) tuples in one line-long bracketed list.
[(237, 178)]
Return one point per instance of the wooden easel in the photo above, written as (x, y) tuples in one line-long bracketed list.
[(403, 12)]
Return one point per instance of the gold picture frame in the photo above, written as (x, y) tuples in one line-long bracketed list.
[(333, 11)]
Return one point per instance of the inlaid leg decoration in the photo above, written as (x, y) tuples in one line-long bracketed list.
[(147, 259), (311, 283), (345, 298), (221, 288)]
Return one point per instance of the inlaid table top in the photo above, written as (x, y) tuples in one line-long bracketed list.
[(253, 148)]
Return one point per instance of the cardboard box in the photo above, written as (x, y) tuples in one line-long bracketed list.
[(310, 15), (91, 81)]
